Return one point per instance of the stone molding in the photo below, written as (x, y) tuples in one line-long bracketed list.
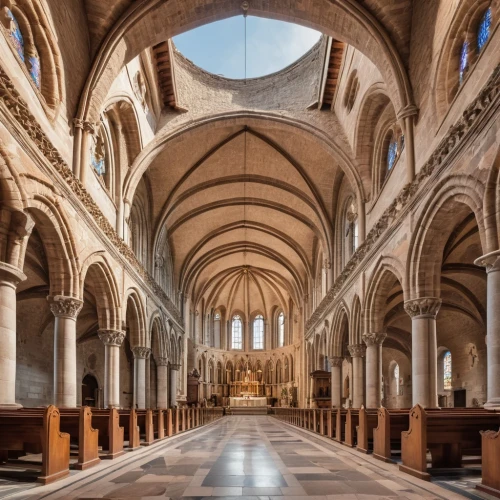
[(11, 274), (371, 339), (424, 306), (18, 108), (111, 337), (357, 350), (476, 110), (336, 361), (491, 261), (141, 352), (65, 307)]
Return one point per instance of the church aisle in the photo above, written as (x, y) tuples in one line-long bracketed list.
[(250, 457)]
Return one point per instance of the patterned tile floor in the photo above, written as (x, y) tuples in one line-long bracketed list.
[(246, 458)]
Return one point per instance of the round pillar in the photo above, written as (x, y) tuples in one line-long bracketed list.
[(174, 371), (112, 340), (10, 276), (423, 314), (491, 262), (65, 311), (357, 352), (141, 354), (336, 374), (162, 383), (373, 343)]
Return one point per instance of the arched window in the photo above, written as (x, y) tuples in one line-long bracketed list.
[(281, 329), (26, 51), (396, 377), (237, 333), (258, 332), (464, 61), (351, 230), (483, 32), (98, 152), (392, 152), (447, 371)]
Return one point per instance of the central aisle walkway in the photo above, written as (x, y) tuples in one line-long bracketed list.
[(245, 457)]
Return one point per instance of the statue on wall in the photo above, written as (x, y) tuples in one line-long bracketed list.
[(472, 355)]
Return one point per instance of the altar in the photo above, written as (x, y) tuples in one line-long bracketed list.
[(247, 401)]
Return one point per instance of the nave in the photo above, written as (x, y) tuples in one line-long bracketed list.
[(248, 457)]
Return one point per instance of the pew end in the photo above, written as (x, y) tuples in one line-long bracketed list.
[(491, 463)]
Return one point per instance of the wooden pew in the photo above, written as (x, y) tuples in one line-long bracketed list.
[(340, 425), (88, 440), (132, 433), (446, 434), (368, 420), (351, 424), (390, 425), (111, 435), (33, 432), (490, 453)]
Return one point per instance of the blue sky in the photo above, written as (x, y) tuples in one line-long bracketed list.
[(271, 46)]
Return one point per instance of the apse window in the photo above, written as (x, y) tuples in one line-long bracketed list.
[(483, 32), (226, 49), (281, 330), (464, 61), (237, 333), (258, 332)]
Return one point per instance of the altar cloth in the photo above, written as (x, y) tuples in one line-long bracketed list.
[(251, 401)]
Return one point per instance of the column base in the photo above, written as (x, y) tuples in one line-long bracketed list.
[(10, 406), (493, 404)]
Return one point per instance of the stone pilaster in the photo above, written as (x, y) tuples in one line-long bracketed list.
[(491, 262), (423, 312), (161, 382), (112, 340), (373, 343), (174, 373)]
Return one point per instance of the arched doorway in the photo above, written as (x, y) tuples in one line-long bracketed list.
[(90, 391)]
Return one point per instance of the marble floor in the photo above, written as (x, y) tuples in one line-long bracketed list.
[(245, 457)]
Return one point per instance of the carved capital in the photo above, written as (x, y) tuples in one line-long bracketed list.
[(111, 337), (89, 127), (161, 361), (408, 111), (424, 306), (175, 367), (336, 361), (77, 123), (371, 339), (327, 264), (141, 352), (64, 307), (357, 350), (491, 261)]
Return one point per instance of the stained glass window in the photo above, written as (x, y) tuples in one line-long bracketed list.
[(396, 376), (98, 155), (237, 337), (258, 333), (483, 32), (447, 371), (16, 35), (464, 61), (392, 153), (281, 330), (35, 72), (355, 236)]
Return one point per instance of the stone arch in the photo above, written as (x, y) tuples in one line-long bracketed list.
[(58, 240), (491, 206), (135, 318), (387, 270), (340, 332), (347, 22), (450, 202), (105, 289), (463, 28), (355, 321), (12, 193), (159, 346)]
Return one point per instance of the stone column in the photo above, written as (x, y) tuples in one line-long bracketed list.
[(423, 314), (407, 117), (492, 263), (10, 276), (373, 343), (112, 340), (174, 370), (65, 310), (141, 354), (162, 383), (357, 352), (336, 367)]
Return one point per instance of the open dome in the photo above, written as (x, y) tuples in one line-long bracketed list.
[(219, 47)]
